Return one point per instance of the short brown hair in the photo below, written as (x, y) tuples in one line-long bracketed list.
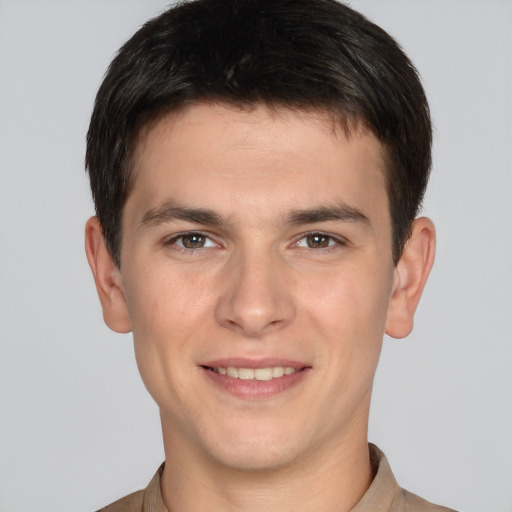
[(301, 54)]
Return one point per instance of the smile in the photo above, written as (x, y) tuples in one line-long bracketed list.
[(273, 372)]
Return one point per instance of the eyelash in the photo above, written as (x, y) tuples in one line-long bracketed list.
[(173, 241), (332, 241)]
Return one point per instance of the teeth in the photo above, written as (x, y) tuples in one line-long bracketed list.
[(232, 372), (263, 374), (255, 373), (245, 373), (277, 371)]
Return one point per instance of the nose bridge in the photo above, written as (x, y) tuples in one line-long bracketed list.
[(254, 297)]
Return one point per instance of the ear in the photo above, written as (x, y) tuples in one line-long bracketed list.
[(107, 277), (411, 274)]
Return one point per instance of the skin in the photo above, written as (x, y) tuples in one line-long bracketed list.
[(261, 281)]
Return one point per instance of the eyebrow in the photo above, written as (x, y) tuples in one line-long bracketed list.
[(170, 211), (340, 212)]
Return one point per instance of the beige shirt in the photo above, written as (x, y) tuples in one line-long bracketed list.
[(383, 495)]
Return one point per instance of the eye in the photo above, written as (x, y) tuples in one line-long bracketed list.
[(192, 241), (318, 241)]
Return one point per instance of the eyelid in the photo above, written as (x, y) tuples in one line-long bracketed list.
[(171, 240), (339, 240)]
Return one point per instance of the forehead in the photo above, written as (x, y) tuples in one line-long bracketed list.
[(259, 124), (209, 153)]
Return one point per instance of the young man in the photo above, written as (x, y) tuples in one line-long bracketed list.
[(257, 167)]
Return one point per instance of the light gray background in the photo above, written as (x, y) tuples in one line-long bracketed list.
[(77, 428)]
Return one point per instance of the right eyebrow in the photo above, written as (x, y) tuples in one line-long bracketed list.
[(324, 213), (170, 211)]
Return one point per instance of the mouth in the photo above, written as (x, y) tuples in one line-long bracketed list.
[(255, 380), (260, 374)]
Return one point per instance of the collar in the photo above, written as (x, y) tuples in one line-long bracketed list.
[(383, 495)]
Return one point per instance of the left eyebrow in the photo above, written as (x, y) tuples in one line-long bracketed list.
[(340, 212), (170, 211)]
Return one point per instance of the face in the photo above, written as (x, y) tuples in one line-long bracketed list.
[(257, 273)]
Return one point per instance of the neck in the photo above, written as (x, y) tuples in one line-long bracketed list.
[(328, 480)]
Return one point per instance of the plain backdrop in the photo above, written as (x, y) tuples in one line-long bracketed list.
[(78, 429)]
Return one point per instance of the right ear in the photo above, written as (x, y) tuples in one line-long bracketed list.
[(107, 277)]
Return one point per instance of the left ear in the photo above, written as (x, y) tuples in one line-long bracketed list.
[(107, 278), (411, 274)]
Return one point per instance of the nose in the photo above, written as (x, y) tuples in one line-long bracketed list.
[(256, 296)]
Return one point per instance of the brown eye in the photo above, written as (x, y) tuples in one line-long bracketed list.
[(193, 241), (318, 241)]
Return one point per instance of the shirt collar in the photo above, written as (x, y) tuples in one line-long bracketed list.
[(383, 495)]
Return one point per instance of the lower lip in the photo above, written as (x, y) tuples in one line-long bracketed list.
[(256, 389)]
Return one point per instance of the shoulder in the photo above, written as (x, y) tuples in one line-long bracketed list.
[(149, 498), (413, 503), (130, 503), (384, 494)]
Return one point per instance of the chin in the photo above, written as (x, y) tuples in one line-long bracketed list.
[(256, 450), (254, 457)]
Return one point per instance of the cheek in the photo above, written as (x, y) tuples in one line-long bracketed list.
[(348, 300), (167, 302), (168, 313), (349, 315)]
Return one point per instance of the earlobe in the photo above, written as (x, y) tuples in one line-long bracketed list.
[(107, 278), (411, 274)]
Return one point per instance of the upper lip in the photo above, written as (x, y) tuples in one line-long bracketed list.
[(267, 362)]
